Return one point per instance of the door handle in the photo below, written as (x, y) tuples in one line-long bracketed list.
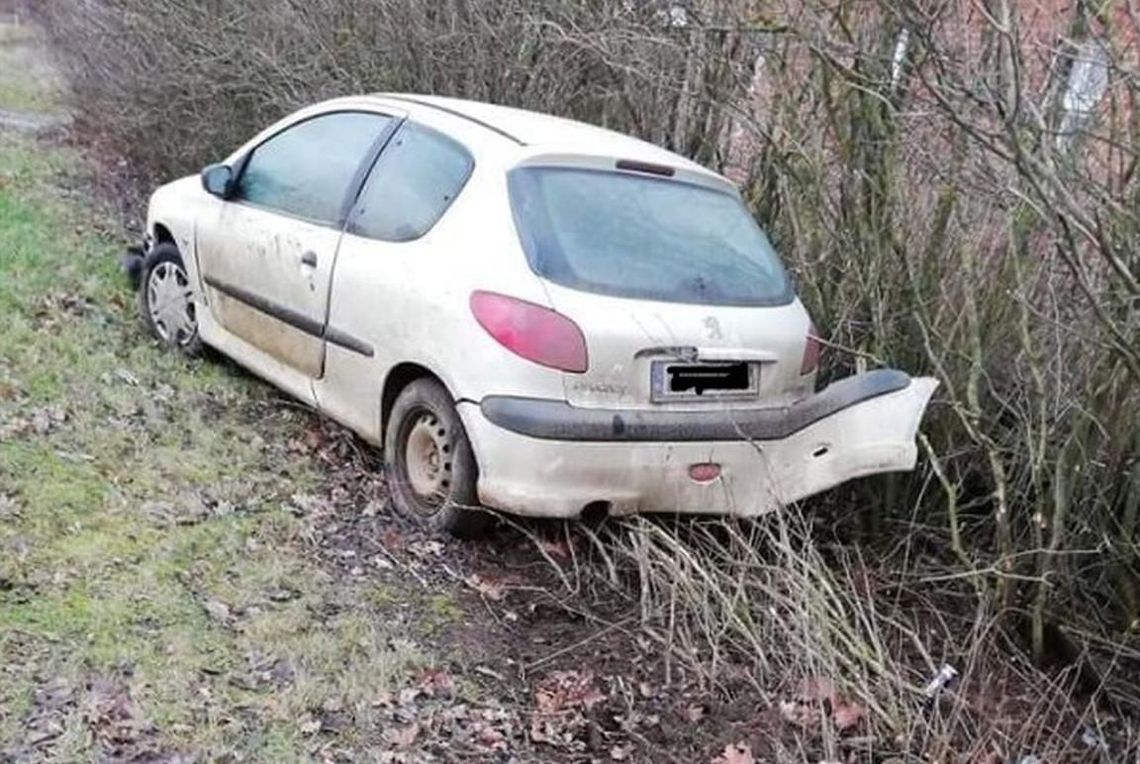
[(309, 259)]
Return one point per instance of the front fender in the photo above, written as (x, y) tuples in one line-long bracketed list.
[(173, 213)]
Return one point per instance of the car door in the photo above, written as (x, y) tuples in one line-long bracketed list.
[(267, 259), (389, 271)]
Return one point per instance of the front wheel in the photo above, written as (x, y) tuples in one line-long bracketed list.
[(166, 300), (428, 460)]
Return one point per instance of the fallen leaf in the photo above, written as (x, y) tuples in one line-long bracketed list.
[(437, 683), (9, 507), (217, 610), (426, 549), (847, 715), (621, 752), (567, 689), (817, 700), (488, 586), (695, 713), (736, 753), (816, 688), (402, 737), (484, 587), (561, 701), (805, 715), (392, 539)]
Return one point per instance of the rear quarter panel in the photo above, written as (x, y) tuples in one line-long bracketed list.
[(410, 302)]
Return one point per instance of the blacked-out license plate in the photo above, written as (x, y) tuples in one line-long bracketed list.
[(703, 381)]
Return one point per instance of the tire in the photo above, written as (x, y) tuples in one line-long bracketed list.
[(164, 275), (440, 493)]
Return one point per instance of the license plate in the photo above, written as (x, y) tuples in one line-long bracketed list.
[(704, 381)]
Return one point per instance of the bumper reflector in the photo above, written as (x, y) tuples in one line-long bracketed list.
[(705, 472)]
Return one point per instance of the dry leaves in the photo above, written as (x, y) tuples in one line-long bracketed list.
[(695, 712), (437, 683), (818, 700), (426, 550), (402, 737), (493, 587), (9, 507), (117, 724), (40, 421), (736, 753), (486, 586), (60, 307), (562, 700)]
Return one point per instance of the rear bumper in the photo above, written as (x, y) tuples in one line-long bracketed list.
[(542, 458), (558, 420)]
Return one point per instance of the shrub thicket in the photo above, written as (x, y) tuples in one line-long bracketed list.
[(955, 189)]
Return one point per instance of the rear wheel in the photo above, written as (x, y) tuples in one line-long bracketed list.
[(166, 300), (427, 457)]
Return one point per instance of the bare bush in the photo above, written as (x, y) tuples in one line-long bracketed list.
[(955, 209), (856, 659), (174, 85)]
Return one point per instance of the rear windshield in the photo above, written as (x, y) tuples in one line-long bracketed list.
[(649, 238)]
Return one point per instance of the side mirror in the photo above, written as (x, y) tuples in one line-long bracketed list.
[(218, 180)]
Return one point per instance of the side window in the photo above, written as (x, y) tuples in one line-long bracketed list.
[(417, 178), (307, 169)]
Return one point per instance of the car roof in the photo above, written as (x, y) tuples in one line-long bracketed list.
[(541, 133)]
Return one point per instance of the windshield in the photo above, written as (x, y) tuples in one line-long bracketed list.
[(656, 239)]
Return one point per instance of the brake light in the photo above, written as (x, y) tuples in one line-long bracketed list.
[(536, 333), (812, 351)]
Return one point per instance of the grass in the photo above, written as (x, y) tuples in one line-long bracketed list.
[(143, 534), (27, 82)]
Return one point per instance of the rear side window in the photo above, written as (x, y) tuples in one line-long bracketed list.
[(646, 238), (306, 170), (416, 179)]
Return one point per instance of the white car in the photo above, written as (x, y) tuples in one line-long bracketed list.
[(526, 313)]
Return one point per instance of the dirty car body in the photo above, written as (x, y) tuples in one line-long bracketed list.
[(610, 325)]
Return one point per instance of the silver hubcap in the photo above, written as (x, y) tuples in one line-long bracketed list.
[(428, 459), (171, 309)]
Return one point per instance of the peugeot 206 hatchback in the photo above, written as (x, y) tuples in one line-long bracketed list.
[(526, 313)]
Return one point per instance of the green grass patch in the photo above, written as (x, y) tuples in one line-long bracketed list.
[(27, 80), (142, 529)]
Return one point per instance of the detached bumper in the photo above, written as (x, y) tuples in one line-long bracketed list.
[(558, 420), (551, 459)]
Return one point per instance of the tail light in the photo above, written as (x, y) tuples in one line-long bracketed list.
[(536, 333), (812, 351)]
